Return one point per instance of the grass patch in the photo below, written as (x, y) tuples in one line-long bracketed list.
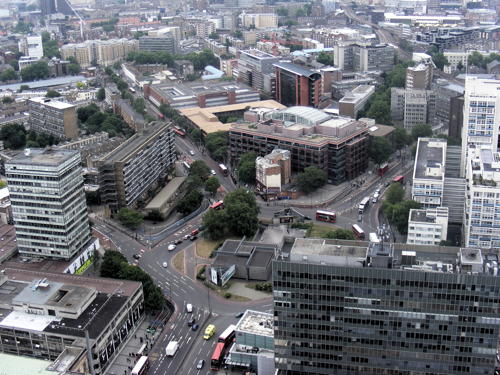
[(319, 231), (260, 286), (223, 292), (178, 261), (204, 247)]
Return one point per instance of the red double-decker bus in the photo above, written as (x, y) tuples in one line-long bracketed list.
[(179, 132), (399, 179), (358, 232), (225, 341), (328, 216), (217, 205)]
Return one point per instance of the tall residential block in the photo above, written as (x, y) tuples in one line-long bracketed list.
[(130, 171), (481, 115), (419, 77), (297, 86), (255, 68), (53, 117), (102, 52), (31, 46), (48, 202), (482, 203), (427, 227), (341, 308)]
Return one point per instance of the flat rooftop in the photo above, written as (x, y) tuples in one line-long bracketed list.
[(57, 104), (19, 365), (130, 146), (165, 194), (258, 54), (45, 157), (294, 68), (179, 91), (431, 154), (421, 216), (256, 323), (316, 250)]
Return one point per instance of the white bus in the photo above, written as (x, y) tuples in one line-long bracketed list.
[(364, 204)]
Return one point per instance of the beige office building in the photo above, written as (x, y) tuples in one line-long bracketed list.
[(53, 117)]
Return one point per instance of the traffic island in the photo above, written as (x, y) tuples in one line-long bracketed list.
[(178, 261)]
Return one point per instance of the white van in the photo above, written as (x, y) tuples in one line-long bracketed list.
[(375, 198), (189, 308)]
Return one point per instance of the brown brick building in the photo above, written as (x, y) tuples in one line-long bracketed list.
[(336, 145), (296, 85)]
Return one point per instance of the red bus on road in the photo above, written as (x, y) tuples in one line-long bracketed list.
[(225, 340), (358, 232), (328, 216), (217, 205), (400, 179), (179, 132), (141, 367)]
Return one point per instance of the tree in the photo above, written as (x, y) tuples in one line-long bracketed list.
[(130, 218), (23, 88), (420, 131), (460, 66), (300, 13), (282, 12), (190, 202), (199, 168), (15, 65), (84, 113), (139, 106), (212, 184), (325, 58), (38, 70), (154, 215), (52, 94), (380, 111), (440, 60), (380, 150), (476, 59), (395, 193), (111, 264), (238, 34), (311, 179), (398, 213), (101, 94), (246, 168), (13, 136), (217, 145), (241, 211), (23, 28), (7, 100), (213, 35), (341, 234), (74, 69), (50, 49), (8, 75), (401, 138), (214, 223)]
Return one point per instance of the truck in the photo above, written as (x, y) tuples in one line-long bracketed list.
[(171, 348)]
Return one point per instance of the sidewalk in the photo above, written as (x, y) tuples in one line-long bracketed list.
[(125, 360)]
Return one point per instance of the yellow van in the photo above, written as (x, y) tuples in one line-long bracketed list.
[(209, 331)]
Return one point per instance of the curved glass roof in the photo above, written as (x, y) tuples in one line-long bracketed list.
[(299, 115)]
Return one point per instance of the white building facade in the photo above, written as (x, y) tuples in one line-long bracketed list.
[(427, 227)]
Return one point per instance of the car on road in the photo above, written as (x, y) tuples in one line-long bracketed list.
[(375, 198), (171, 247), (239, 315), (194, 327), (137, 256), (193, 238), (186, 237), (191, 152), (194, 232), (209, 332), (212, 172), (189, 308), (191, 322), (178, 241), (200, 364), (165, 264)]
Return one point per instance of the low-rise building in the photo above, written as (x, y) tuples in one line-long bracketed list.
[(51, 316), (53, 117), (133, 119), (356, 100), (259, 20), (199, 94), (427, 227), (254, 344), (130, 171), (272, 171), (337, 145)]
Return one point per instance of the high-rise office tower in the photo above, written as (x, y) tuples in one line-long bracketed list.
[(343, 309), (481, 115), (47, 7), (297, 86), (48, 202)]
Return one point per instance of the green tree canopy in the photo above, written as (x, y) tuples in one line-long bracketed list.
[(8, 75), (395, 193), (340, 234), (101, 94), (199, 168), (311, 179), (38, 70), (325, 58), (440, 60), (421, 131), (398, 213), (401, 138), (139, 106), (7, 100), (212, 184), (476, 59), (380, 111), (214, 223), (380, 149), (190, 202), (217, 145), (52, 94), (132, 219), (13, 136), (246, 168)]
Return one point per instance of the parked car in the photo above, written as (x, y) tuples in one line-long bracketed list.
[(137, 256)]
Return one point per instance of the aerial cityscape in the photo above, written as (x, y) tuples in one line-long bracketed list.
[(249, 187)]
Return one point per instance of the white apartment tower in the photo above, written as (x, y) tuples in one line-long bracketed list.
[(31, 46), (482, 205), (48, 202), (481, 115)]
